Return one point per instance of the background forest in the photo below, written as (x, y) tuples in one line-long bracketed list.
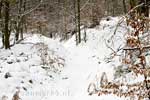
[(55, 18)]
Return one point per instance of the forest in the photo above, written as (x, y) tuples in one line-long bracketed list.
[(75, 49)]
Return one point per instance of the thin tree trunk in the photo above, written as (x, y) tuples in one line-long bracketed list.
[(79, 31), (132, 4), (6, 26), (22, 4), (85, 39), (0, 9), (147, 8), (19, 28), (144, 9), (113, 7), (75, 21), (24, 18), (124, 6), (17, 22), (65, 19)]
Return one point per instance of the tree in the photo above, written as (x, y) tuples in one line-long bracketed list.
[(0, 15), (6, 24), (144, 8), (23, 26), (73, 13), (19, 20), (0, 9), (78, 18), (124, 6), (75, 20), (147, 8), (132, 3)]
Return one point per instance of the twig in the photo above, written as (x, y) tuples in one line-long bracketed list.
[(136, 48), (109, 47), (31, 10), (86, 3)]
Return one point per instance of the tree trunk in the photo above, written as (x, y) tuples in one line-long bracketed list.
[(132, 4), (21, 28), (6, 26), (79, 31), (147, 8), (65, 19), (144, 9), (124, 6), (24, 17), (19, 20), (113, 7), (0, 9), (75, 21)]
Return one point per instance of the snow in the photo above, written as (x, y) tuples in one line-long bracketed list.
[(79, 65)]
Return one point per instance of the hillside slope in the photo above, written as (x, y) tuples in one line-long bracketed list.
[(41, 68)]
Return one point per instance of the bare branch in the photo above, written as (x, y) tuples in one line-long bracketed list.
[(31, 10), (137, 48), (86, 3), (123, 17)]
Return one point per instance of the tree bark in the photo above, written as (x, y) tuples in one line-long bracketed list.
[(22, 6), (113, 7), (0, 9), (24, 18), (144, 9), (65, 20), (75, 20), (6, 26), (147, 8), (19, 28), (124, 6), (79, 31), (132, 4)]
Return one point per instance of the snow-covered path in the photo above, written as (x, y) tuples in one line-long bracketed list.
[(78, 70), (85, 62), (82, 68)]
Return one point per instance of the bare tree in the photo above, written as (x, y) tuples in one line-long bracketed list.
[(6, 24), (0, 9), (79, 31), (124, 6)]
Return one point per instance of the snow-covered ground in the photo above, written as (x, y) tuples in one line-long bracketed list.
[(45, 69)]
